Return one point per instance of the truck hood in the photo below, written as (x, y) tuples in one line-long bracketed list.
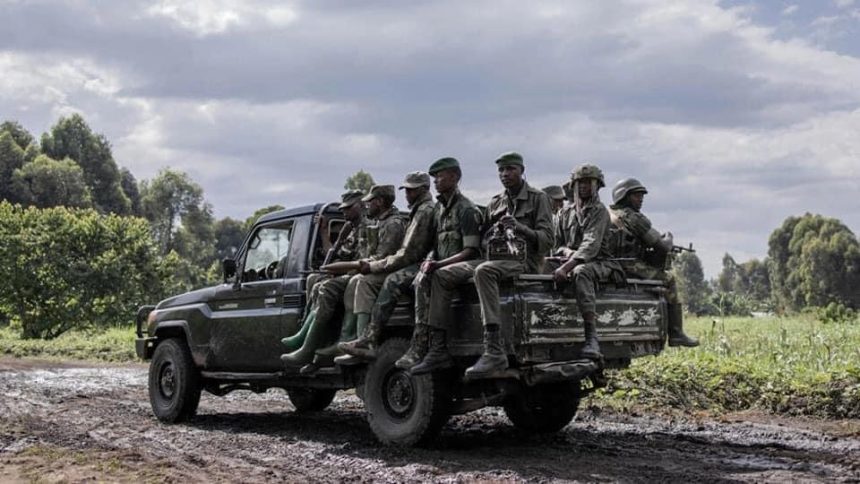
[(192, 297)]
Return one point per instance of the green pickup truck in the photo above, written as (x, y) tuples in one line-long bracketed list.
[(227, 338)]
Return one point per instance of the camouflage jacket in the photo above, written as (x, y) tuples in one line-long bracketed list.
[(356, 245), (562, 227), (632, 232), (531, 208), (458, 225), (418, 240), (386, 235), (589, 234)]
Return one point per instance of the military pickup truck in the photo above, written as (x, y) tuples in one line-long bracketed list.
[(227, 337)]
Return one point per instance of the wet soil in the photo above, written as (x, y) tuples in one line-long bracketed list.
[(76, 422)]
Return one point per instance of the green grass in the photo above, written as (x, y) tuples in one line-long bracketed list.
[(793, 366), (114, 344)]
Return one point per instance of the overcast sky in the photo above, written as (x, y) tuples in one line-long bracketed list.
[(734, 114)]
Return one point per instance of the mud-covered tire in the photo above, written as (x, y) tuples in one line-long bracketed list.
[(403, 409), (310, 399), (544, 408), (174, 382)]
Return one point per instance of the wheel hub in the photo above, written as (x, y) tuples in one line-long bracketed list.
[(167, 380), (399, 394)]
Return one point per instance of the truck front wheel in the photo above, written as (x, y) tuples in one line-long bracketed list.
[(403, 409), (544, 408), (310, 399), (174, 382)]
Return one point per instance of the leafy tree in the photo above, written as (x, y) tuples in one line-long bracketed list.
[(815, 261), (742, 288), (49, 183), (249, 222), (131, 190), (11, 159), (71, 137), (690, 277), (361, 180), (229, 235), (22, 137)]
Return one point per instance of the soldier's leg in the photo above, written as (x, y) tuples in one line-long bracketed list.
[(443, 283), (325, 356), (322, 330), (585, 277), (487, 278), (677, 337), (295, 341)]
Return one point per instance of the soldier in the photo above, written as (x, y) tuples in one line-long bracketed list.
[(525, 213), (589, 253), (557, 198), (457, 238), (365, 238), (634, 236), (398, 271)]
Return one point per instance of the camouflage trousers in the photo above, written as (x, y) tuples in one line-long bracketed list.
[(366, 291), (586, 276), (393, 287), (642, 270), (331, 293), (445, 281), (312, 286)]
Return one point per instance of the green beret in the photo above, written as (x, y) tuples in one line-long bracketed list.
[(510, 158), (554, 191), (350, 198), (443, 164), (379, 191)]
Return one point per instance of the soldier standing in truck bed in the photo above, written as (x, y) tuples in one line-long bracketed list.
[(525, 213), (634, 238), (589, 251), (397, 271)]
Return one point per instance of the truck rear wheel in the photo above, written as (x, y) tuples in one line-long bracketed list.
[(403, 409), (544, 408), (311, 399), (174, 382)]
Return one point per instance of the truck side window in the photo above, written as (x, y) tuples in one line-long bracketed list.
[(266, 257)]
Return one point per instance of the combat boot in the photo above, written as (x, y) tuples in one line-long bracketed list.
[(494, 360), (437, 357), (365, 346), (362, 324), (591, 348), (316, 337), (295, 341), (676, 328), (417, 348)]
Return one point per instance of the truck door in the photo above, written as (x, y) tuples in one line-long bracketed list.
[(248, 318)]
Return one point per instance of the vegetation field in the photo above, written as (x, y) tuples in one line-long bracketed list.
[(794, 366)]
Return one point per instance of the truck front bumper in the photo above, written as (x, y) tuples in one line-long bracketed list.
[(144, 347)]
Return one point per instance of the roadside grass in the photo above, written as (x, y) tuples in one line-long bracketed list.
[(790, 366), (113, 345)]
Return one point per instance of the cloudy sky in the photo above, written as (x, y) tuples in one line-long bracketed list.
[(735, 114)]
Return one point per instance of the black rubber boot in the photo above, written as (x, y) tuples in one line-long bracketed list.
[(362, 323), (316, 337), (676, 328), (295, 341), (494, 361), (437, 357), (417, 348), (591, 348)]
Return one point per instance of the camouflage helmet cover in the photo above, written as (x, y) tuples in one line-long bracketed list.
[(625, 186), (582, 172)]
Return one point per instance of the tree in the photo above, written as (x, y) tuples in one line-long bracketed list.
[(22, 137), (249, 222), (690, 277), (50, 183), (361, 180), (131, 190), (11, 159), (229, 235), (742, 288), (815, 261), (71, 137)]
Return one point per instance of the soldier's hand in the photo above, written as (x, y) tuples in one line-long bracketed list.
[(322, 220), (428, 266), (364, 266), (559, 275), (508, 221)]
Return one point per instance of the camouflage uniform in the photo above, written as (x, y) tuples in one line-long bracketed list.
[(389, 233), (590, 238)]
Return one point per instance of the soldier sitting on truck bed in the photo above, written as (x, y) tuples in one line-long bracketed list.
[(331, 291), (589, 251), (635, 239), (518, 234), (398, 271)]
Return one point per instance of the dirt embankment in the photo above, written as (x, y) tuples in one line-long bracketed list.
[(67, 422)]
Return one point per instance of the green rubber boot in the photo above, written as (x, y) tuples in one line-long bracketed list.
[(362, 320), (318, 335), (295, 341), (347, 333)]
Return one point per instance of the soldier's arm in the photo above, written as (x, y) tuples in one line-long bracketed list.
[(390, 238), (414, 248), (640, 226), (592, 237), (470, 227)]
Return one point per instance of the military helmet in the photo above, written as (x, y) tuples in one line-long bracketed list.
[(625, 186), (582, 172)]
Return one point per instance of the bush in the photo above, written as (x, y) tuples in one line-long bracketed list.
[(75, 268)]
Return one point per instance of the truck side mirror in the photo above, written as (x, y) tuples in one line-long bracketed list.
[(229, 268)]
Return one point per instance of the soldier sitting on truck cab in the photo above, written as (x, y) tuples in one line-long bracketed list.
[(643, 251)]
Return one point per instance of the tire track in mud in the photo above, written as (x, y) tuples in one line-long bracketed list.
[(101, 413)]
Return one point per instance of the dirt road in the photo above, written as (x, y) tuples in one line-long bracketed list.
[(74, 423)]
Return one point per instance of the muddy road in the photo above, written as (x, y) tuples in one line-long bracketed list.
[(67, 422)]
